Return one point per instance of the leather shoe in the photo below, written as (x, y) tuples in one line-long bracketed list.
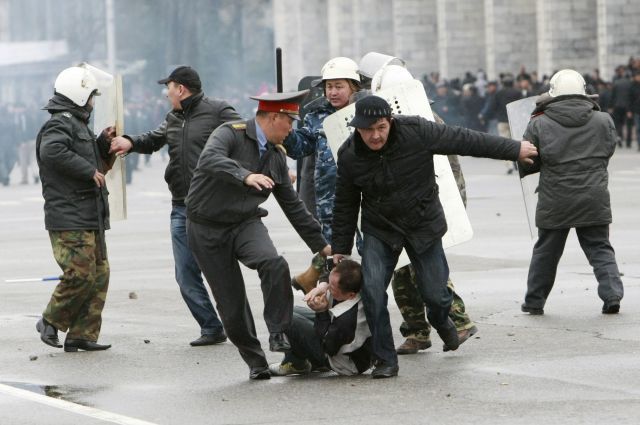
[(383, 370), (278, 341), (412, 346), (209, 339), (534, 311), (48, 333), (73, 345), (449, 335), (611, 307), (463, 335), (259, 372)]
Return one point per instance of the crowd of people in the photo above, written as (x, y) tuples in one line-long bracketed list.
[(469, 101), (378, 190), (476, 103)]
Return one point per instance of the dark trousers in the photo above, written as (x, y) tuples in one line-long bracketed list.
[(189, 276), (620, 120), (306, 344), (432, 272), (594, 241), (218, 251)]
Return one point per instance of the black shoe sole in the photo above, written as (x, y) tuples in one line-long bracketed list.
[(534, 311), (611, 309), (262, 375), (383, 375), (472, 331), (43, 339), (84, 346), (212, 342)]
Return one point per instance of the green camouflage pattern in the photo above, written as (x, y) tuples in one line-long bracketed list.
[(319, 262), (412, 308), (77, 302)]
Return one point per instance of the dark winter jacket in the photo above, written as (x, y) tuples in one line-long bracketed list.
[(218, 196), (345, 335), (396, 185), (185, 131), (575, 142), (634, 98), (504, 96), (68, 156), (620, 94)]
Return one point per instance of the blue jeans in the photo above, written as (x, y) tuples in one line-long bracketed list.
[(189, 276), (432, 271)]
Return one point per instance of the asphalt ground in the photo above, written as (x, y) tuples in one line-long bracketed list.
[(571, 366)]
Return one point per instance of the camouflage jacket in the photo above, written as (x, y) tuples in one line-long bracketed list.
[(310, 139)]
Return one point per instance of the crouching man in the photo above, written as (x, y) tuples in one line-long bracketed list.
[(336, 336)]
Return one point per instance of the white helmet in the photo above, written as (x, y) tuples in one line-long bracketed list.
[(77, 84), (389, 76), (567, 81), (374, 61), (339, 68)]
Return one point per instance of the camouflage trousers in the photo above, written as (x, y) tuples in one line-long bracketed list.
[(412, 307), (77, 302)]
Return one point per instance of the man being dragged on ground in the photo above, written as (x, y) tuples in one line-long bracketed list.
[(332, 332)]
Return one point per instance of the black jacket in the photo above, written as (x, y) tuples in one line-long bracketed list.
[(575, 142), (218, 196), (68, 156), (396, 185), (634, 98), (185, 131), (343, 330), (621, 94), (503, 97)]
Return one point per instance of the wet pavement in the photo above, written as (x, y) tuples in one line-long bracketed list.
[(571, 366)]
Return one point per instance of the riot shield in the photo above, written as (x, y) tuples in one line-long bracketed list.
[(410, 99), (109, 111), (519, 113)]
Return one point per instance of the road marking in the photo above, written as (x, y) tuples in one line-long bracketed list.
[(72, 407)]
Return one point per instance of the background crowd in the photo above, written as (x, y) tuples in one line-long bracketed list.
[(469, 101)]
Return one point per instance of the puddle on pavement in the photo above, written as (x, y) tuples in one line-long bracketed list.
[(66, 393)]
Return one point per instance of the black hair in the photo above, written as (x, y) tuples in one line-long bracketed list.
[(350, 276)]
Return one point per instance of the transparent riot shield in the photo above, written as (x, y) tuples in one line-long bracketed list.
[(519, 113), (109, 111), (410, 99)]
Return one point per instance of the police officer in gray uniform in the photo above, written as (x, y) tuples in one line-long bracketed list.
[(241, 165)]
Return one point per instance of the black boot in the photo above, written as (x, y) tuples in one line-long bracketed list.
[(48, 333), (73, 345)]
